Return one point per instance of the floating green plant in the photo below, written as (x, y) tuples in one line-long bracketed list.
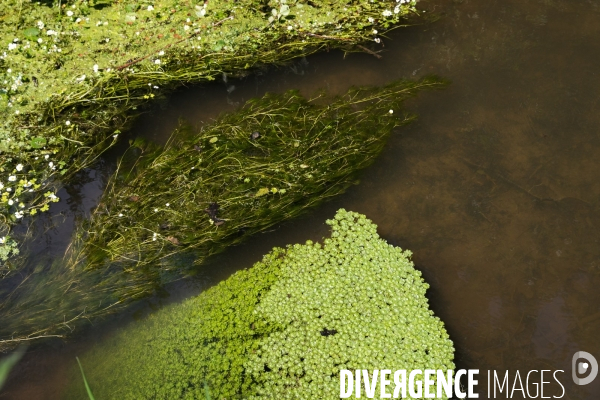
[(73, 74), (284, 328), (167, 209)]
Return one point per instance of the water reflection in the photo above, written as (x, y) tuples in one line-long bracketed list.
[(495, 189)]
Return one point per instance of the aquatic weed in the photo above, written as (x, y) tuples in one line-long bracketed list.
[(74, 74), (167, 209), (285, 327)]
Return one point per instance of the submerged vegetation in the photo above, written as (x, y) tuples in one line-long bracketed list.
[(284, 328), (74, 73), (169, 208)]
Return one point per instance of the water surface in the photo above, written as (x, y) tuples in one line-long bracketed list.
[(496, 189)]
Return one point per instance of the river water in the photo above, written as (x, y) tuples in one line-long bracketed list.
[(495, 189)]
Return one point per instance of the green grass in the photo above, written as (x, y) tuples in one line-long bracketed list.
[(85, 382)]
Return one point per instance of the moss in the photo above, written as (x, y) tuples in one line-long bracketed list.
[(284, 328), (74, 73)]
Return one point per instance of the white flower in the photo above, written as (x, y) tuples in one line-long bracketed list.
[(78, 20), (50, 32), (391, 111), (290, 27), (40, 40), (377, 40), (10, 202), (9, 189), (396, 10), (51, 164), (167, 204), (387, 13), (1, 185), (107, 40), (40, 25), (154, 236), (161, 53), (186, 27), (19, 167), (371, 19), (150, 8), (95, 68), (67, 123), (18, 215), (157, 61), (156, 210), (2, 239), (12, 178), (12, 46), (47, 156), (69, 13), (375, 32), (120, 215)]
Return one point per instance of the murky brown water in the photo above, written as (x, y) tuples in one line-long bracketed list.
[(496, 189)]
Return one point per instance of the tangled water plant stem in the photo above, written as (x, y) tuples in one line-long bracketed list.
[(167, 209), (74, 74), (264, 164)]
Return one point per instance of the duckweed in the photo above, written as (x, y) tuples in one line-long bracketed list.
[(284, 328)]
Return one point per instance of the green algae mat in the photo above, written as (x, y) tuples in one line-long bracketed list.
[(282, 329), (169, 208), (73, 74)]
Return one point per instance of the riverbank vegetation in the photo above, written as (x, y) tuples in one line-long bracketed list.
[(169, 208), (73, 74), (282, 329)]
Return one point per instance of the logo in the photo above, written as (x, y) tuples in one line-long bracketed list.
[(582, 367)]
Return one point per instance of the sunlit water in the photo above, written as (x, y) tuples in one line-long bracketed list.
[(496, 189)]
